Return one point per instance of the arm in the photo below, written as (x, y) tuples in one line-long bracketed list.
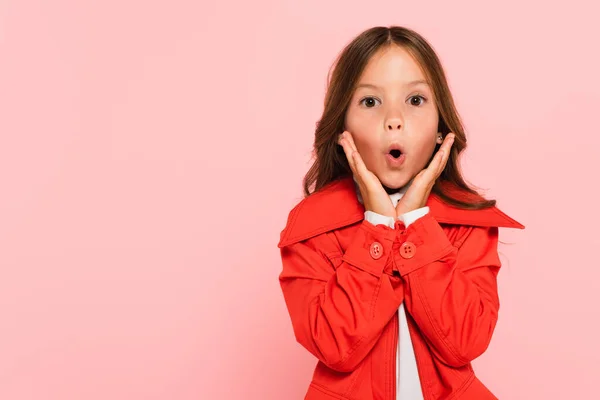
[(451, 292), (340, 303)]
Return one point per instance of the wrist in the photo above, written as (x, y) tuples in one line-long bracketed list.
[(402, 209), (391, 212)]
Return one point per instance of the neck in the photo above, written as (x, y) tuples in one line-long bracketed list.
[(389, 190)]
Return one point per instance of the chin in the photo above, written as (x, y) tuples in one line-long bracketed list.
[(395, 180)]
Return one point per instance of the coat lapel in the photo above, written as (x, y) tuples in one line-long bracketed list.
[(336, 205)]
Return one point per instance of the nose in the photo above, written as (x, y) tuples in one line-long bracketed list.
[(393, 122)]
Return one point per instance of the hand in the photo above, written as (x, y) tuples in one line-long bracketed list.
[(418, 192), (374, 196)]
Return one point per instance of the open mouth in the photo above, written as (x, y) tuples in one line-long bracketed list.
[(395, 156), (395, 153)]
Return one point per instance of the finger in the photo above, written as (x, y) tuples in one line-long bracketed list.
[(348, 151), (438, 162), (350, 139), (429, 173), (362, 170), (447, 147)]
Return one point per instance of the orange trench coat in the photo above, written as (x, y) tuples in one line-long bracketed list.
[(343, 280)]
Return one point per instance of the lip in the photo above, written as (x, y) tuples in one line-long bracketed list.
[(395, 162), (395, 146)]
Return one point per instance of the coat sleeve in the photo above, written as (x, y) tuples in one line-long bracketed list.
[(340, 303), (451, 290)]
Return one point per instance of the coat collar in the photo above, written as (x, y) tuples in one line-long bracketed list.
[(336, 205)]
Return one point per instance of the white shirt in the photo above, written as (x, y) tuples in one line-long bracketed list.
[(408, 385)]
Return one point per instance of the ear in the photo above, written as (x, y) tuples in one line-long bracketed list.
[(439, 139)]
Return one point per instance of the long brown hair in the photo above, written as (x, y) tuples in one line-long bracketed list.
[(330, 160)]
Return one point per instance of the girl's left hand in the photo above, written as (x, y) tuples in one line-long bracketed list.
[(418, 192)]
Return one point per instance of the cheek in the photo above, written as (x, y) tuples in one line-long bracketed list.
[(425, 129), (360, 123), (424, 150), (366, 146), (362, 128), (423, 120)]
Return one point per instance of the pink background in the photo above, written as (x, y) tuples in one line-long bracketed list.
[(150, 152)]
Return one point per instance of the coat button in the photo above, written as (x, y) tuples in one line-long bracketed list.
[(408, 250), (376, 250)]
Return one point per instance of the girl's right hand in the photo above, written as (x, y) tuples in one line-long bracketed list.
[(374, 196)]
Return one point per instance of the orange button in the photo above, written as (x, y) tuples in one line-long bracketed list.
[(408, 250), (376, 250)]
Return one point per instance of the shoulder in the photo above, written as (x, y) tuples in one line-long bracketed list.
[(336, 206), (486, 217)]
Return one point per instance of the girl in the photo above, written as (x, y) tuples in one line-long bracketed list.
[(390, 264)]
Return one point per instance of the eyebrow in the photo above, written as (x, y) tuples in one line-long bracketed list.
[(411, 83)]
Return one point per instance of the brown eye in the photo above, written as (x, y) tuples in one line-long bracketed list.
[(421, 98), (368, 101)]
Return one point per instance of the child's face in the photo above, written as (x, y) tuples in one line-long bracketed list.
[(393, 113)]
